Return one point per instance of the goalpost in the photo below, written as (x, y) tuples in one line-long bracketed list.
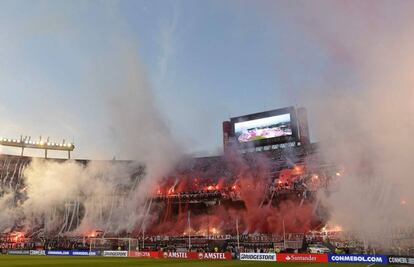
[(113, 243), (119, 243)]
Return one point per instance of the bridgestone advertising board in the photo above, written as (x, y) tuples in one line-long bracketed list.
[(115, 253), (257, 256)]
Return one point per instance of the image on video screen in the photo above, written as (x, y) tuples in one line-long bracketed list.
[(264, 128)]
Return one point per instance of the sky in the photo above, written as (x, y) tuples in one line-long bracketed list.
[(205, 61)]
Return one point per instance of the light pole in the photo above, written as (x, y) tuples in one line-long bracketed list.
[(189, 231), (238, 237)]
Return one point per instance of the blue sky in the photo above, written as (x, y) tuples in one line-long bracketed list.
[(205, 61)]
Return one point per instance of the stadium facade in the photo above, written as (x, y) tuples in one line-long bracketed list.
[(265, 182)]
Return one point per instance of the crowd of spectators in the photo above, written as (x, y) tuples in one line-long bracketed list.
[(258, 243)]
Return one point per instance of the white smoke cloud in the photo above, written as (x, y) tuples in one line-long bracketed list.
[(8, 214), (115, 98), (360, 103)]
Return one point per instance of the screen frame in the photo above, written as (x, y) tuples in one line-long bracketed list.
[(270, 141)]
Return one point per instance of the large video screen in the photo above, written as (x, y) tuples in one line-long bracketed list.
[(263, 128)]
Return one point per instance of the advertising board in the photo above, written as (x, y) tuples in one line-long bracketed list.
[(196, 255), (287, 257), (144, 254), (58, 252), (38, 252), (115, 253), (212, 255), (84, 253), (257, 256), (357, 258), (18, 252), (401, 260)]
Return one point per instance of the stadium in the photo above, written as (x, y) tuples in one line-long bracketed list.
[(217, 133), (257, 201)]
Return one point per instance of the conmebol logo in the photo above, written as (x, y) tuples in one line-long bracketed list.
[(401, 260), (358, 258)]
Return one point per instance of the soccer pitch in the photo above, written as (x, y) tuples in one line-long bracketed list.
[(20, 261)]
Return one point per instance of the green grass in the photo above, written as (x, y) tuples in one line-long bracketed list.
[(28, 261)]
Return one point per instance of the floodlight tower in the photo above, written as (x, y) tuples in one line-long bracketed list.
[(25, 142)]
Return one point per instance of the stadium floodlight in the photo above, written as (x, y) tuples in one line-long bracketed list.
[(25, 142)]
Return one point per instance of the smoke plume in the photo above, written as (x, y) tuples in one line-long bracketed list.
[(360, 100), (116, 98)]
